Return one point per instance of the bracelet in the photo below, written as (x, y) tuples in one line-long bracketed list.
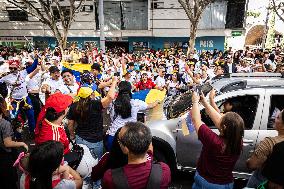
[(195, 102)]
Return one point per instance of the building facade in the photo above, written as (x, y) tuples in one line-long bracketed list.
[(133, 24)]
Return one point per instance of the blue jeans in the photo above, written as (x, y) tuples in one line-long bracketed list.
[(96, 150), (29, 112), (201, 183)]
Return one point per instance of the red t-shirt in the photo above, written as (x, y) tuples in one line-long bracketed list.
[(49, 132), (213, 165), (138, 174), (145, 85)]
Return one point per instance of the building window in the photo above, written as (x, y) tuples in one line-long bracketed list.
[(235, 14), (126, 15), (17, 15), (87, 8), (65, 10)]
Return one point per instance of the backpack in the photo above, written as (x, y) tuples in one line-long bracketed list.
[(120, 180)]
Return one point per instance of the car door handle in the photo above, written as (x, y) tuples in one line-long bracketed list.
[(176, 130), (247, 141)]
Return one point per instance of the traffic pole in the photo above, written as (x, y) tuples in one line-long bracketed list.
[(102, 24)]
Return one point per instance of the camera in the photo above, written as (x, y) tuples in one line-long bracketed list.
[(197, 89)]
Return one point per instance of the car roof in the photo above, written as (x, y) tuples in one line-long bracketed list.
[(233, 82)]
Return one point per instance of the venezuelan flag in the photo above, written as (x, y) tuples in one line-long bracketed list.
[(150, 95), (187, 126), (77, 68)]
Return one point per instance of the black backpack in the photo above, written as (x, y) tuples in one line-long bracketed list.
[(120, 180)]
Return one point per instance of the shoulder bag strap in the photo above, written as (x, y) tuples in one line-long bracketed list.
[(68, 136), (70, 90), (155, 177), (119, 179)]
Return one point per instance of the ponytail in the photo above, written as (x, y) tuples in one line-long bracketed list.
[(52, 115)]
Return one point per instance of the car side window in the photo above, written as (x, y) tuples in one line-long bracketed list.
[(276, 105), (245, 106)]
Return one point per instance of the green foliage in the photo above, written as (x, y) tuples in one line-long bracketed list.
[(270, 39)]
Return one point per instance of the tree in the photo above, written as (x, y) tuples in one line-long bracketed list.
[(270, 40), (56, 14), (194, 10), (278, 7)]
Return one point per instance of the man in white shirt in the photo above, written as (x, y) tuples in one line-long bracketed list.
[(4, 67), (53, 83), (181, 64), (16, 82), (70, 85), (160, 80)]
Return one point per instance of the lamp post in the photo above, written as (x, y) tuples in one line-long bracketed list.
[(101, 21)]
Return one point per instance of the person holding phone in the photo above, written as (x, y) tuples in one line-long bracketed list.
[(220, 152)]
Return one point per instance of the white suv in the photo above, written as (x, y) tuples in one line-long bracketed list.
[(258, 95)]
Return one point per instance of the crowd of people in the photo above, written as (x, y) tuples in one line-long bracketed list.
[(38, 90)]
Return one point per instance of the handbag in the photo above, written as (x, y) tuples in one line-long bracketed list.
[(75, 156)]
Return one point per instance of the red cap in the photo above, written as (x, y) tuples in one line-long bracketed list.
[(14, 63), (58, 101)]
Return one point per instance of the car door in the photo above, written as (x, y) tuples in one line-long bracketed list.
[(189, 147), (274, 98)]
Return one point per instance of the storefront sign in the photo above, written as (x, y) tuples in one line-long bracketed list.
[(210, 43), (16, 39), (91, 44), (237, 33), (140, 46)]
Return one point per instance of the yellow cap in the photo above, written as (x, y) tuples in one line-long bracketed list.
[(85, 92)]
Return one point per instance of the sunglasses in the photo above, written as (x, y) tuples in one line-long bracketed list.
[(13, 68)]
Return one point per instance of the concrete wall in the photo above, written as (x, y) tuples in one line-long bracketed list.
[(169, 20)]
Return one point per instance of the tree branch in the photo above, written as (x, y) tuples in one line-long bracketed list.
[(61, 13), (276, 8)]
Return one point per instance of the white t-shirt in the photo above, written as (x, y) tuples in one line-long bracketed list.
[(118, 122), (4, 68), (210, 73), (70, 89), (34, 83), (187, 78), (160, 81), (181, 65), (19, 80), (54, 85), (172, 90)]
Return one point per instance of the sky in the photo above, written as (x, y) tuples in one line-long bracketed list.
[(259, 6)]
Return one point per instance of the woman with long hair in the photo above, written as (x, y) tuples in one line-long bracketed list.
[(87, 114), (173, 84), (45, 169), (8, 174), (124, 110), (219, 152)]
